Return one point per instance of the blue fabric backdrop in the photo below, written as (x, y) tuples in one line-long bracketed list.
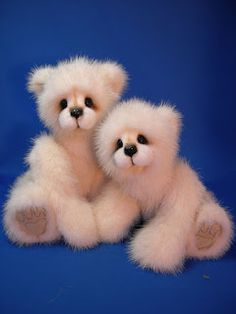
[(181, 51)]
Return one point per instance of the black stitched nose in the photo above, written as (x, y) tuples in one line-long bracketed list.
[(130, 150), (76, 112)]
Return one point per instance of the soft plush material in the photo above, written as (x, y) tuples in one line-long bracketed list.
[(52, 198), (137, 146), (181, 51)]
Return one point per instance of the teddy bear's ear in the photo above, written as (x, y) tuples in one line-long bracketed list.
[(38, 78), (115, 76), (170, 117)]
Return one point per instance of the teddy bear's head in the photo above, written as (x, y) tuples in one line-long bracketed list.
[(74, 94), (136, 136)]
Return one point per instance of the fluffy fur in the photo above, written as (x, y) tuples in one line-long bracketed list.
[(52, 198), (137, 146)]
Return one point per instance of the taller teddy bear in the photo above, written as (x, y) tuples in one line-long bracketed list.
[(52, 198)]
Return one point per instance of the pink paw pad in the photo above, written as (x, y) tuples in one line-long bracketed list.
[(32, 221), (207, 235)]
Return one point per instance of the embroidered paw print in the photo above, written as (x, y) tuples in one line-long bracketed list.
[(32, 221), (207, 235)]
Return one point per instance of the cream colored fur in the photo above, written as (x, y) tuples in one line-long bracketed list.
[(63, 174), (178, 209)]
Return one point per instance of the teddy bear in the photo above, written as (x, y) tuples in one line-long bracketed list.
[(137, 146), (52, 199)]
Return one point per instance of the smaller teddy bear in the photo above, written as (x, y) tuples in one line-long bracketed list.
[(52, 199), (137, 146)]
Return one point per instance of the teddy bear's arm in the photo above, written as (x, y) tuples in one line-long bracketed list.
[(161, 243), (50, 166), (115, 213)]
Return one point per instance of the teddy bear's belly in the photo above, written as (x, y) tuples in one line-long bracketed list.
[(89, 178)]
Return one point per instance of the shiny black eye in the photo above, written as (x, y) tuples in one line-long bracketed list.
[(119, 144), (88, 102), (63, 104), (142, 139)]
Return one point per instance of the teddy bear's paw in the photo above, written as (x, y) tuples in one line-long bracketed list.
[(32, 221), (207, 234), (77, 225), (157, 251)]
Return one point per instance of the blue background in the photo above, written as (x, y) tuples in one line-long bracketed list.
[(181, 51)]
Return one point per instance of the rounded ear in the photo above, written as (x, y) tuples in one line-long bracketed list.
[(170, 117), (37, 79), (115, 76)]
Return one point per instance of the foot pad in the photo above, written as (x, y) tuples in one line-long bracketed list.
[(32, 221), (207, 235)]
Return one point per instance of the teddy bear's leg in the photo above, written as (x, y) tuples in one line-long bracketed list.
[(31, 209), (161, 244), (26, 215), (74, 217), (115, 213), (76, 222), (212, 231)]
